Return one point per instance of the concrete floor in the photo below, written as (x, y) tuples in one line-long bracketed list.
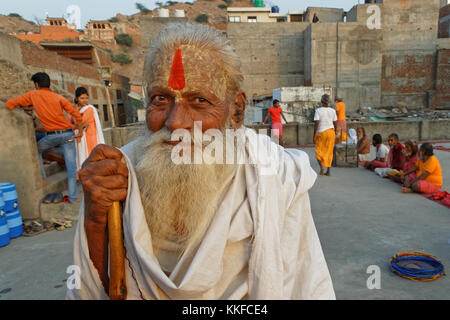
[(362, 220)]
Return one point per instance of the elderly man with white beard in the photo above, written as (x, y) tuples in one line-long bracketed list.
[(200, 231)]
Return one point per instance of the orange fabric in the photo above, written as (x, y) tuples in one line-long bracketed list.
[(433, 167), (340, 110), (91, 131), (177, 80), (428, 187), (275, 113), (341, 128), (325, 146), (49, 108)]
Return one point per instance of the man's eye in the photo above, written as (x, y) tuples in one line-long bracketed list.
[(159, 99), (201, 100)]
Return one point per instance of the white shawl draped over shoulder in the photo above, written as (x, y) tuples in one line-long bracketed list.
[(261, 244), (82, 148)]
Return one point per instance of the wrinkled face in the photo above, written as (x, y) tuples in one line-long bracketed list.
[(83, 100), (359, 132), (202, 98), (392, 142)]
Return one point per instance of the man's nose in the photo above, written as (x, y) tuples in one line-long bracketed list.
[(179, 118)]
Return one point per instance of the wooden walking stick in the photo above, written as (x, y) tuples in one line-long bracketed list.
[(117, 284)]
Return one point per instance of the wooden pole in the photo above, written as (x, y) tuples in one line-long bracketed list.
[(117, 283)]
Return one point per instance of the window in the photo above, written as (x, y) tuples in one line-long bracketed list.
[(235, 19), (105, 112), (251, 19), (119, 94)]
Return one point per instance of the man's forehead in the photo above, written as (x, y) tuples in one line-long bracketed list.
[(203, 70)]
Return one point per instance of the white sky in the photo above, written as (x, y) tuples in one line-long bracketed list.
[(105, 9)]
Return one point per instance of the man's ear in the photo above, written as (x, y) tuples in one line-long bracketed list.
[(238, 110)]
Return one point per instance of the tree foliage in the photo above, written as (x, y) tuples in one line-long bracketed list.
[(15, 15), (142, 8), (122, 58), (202, 18), (124, 39)]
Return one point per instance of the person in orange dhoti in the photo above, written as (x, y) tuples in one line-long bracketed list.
[(341, 123), (325, 120), (94, 132)]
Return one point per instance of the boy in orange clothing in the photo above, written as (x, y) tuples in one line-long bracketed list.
[(429, 173)]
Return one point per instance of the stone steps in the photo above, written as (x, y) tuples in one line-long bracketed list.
[(56, 182), (53, 168)]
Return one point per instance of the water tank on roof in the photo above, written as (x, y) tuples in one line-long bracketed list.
[(179, 13), (275, 9), (163, 13), (259, 3)]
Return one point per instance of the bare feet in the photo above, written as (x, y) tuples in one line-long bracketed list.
[(328, 173), (321, 172), (407, 190)]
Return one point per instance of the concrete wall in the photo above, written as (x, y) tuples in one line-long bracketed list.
[(346, 56), (359, 12), (299, 103), (416, 130), (272, 55), (410, 30), (151, 26), (325, 14), (19, 161)]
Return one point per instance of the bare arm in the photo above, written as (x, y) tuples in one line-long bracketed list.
[(267, 118), (316, 126), (410, 170)]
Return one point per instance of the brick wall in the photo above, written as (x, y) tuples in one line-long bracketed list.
[(444, 22), (407, 78), (442, 97), (34, 56)]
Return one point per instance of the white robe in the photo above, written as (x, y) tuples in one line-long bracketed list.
[(261, 244), (82, 149)]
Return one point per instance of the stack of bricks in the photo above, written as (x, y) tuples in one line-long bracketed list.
[(345, 156)]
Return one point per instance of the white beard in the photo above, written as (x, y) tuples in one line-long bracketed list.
[(179, 200)]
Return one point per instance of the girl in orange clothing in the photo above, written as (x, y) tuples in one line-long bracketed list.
[(94, 133)]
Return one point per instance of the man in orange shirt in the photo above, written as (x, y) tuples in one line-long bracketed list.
[(275, 112), (429, 173), (58, 130)]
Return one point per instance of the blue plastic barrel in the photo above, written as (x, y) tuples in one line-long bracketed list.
[(4, 229), (9, 196), (15, 224), (275, 9), (2, 202)]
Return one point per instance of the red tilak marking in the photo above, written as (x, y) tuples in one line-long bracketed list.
[(177, 80)]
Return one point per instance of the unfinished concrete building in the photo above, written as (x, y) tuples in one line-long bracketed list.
[(377, 63)]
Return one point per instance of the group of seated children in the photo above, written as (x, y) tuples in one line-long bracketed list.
[(418, 170)]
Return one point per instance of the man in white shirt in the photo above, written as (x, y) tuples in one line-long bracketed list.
[(325, 134), (201, 231), (381, 154)]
